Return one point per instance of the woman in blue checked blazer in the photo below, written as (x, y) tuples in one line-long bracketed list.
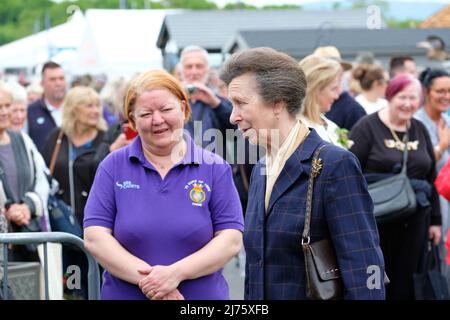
[(267, 89)]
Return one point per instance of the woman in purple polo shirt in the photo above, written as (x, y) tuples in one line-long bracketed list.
[(163, 216)]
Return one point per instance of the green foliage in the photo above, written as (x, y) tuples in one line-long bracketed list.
[(337, 5), (362, 4), (19, 18), (190, 4), (282, 7), (240, 6), (404, 24)]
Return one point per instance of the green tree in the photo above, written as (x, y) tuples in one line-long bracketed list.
[(189, 4), (408, 23), (337, 5), (282, 7), (239, 6)]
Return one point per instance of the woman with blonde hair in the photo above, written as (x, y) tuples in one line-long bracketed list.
[(323, 77), (79, 137)]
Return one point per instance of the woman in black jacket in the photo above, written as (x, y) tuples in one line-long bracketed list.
[(77, 160)]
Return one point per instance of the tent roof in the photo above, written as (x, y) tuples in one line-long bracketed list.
[(122, 41)]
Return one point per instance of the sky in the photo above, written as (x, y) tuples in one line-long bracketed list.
[(416, 9), (265, 2)]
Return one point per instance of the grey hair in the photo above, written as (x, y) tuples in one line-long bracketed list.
[(278, 76), (193, 48), (18, 92)]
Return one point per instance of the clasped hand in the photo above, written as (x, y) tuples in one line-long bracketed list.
[(160, 283), (19, 214)]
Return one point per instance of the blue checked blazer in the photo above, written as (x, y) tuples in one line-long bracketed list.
[(342, 210)]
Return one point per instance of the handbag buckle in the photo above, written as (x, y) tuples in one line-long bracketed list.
[(306, 240)]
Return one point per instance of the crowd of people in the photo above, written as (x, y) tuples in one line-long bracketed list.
[(141, 164)]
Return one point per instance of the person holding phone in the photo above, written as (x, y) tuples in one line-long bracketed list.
[(209, 109)]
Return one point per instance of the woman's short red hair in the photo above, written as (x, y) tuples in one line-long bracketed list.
[(151, 80)]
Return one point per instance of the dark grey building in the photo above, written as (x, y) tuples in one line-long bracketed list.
[(383, 43), (212, 29)]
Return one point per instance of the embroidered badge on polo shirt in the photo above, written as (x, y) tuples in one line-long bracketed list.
[(196, 189), (127, 185)]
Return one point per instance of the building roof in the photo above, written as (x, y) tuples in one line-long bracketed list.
[(440, 19), (350, 42), (211, 29)]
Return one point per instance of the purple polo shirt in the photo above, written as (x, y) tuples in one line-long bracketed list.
[(163, 221)]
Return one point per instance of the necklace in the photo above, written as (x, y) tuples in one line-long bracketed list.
[(397, 139), (399, 144)]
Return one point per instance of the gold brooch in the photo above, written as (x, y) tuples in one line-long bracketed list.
[(317, 165)]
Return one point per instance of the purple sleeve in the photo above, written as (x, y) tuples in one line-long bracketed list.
[(100, 208), (225, 206)]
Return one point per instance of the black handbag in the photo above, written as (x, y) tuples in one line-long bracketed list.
[(62, 217), (430, 284), (393, 198), (323, 275)]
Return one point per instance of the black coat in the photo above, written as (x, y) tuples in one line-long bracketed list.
[(40, 123), (84, 168)]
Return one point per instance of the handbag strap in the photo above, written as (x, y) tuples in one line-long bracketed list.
[(316, 167), (55, 152), (405, 152)]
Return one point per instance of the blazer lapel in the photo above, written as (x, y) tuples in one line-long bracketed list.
[(294, 167)]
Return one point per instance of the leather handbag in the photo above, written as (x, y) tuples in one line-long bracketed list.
[(323, 275), (393, 198)]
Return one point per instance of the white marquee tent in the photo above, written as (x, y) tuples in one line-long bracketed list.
[(29, 52), (113, 42)]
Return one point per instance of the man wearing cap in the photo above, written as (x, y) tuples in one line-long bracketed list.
[(345, 111)]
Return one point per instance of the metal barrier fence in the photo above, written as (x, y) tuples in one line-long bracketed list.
[(23, 238)]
